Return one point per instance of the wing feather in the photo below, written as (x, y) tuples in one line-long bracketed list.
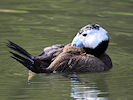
[(78, 62)]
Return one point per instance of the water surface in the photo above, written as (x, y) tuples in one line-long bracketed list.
[(36, 24)]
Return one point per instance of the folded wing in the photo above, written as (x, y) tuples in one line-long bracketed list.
[(74, 59)]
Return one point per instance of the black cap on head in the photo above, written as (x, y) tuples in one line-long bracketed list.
[(95, 26), (92, 26)]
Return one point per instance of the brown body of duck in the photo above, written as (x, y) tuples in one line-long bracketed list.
[(64, 58), (60, 58)]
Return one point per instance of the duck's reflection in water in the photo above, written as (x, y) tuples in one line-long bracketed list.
[(86, 90), (93, 88)]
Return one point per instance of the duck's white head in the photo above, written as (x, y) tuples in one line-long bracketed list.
[(91, 36)]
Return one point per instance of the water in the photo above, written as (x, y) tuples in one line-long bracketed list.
[(35, 24)]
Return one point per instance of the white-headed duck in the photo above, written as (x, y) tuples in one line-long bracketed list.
[(86, 53)]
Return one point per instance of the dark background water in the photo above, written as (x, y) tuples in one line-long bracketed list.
[(36, 24)]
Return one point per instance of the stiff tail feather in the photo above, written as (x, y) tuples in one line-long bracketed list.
[(18, 49), (26, 59)]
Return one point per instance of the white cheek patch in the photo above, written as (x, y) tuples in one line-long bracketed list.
[(94, 38)]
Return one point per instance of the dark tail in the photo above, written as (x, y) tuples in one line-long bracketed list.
[(26, 59), (18, 49)]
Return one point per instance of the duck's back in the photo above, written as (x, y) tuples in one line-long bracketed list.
[(73, 59), (48, 55)]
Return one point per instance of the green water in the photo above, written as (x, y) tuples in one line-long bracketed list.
[(35, 24)]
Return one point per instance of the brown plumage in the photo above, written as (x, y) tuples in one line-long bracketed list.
[(60, 58), (74, 59)]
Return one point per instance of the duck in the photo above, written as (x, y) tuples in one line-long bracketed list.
[(86, 53)]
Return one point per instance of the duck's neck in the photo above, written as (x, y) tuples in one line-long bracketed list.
[(99, 50)]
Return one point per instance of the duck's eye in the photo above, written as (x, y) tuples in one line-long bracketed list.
[(84, 34)]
